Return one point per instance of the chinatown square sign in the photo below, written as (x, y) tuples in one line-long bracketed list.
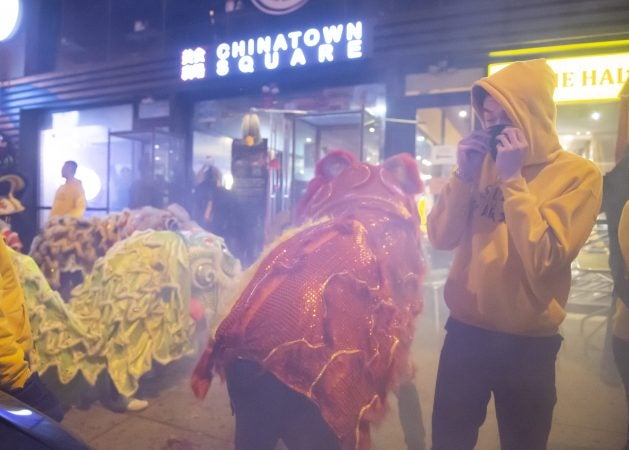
[(307, 47)]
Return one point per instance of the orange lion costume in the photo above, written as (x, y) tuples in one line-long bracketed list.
[(329, 309)]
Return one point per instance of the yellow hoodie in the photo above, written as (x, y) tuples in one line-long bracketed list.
[(515, 240), (15, 330)]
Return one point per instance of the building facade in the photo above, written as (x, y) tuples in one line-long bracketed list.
[(167, 93)]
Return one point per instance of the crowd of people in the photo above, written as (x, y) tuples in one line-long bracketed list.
[(323, 323)]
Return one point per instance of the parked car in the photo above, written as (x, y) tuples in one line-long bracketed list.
[(24, 428)]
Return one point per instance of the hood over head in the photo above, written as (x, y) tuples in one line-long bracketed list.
[(525, 90)]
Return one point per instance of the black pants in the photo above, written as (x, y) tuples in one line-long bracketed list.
[(621, 356), (518, 370), (267, 410)]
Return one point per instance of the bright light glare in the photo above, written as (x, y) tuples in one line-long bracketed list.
[(20, 412), (65, 120), (463, 114), (596, 115), (379, 110), (421, 138), (9, 18), (90, 180), (228, 181)]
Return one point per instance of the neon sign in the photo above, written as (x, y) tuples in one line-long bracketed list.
[(586, 78), (297, 48)]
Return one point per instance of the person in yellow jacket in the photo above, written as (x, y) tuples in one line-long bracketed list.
[(16, 377), (620, 343), (516, 212), (70, 197)]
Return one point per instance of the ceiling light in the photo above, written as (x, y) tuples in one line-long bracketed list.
[(596, 115)]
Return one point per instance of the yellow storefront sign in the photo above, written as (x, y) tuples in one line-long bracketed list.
[(586, 78)]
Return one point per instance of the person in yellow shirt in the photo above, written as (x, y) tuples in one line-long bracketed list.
[(516, 212), (16, 343), (70, 197)]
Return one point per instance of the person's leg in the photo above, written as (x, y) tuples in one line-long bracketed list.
[(525, 393), (304, 428), (462, 391), (111, 399), (257, 403), (621, 356), (410, 413)]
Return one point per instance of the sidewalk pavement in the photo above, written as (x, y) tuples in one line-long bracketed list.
[(590, 415)]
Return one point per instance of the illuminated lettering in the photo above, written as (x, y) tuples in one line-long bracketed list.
[(294, 38), (312, 37), (239, 49), (298, 58), (222, 51), (193, 72), (313, 45), (186, 72), (589, 77), (566, 79), (354, 31), (199, 55), (222, 68), (187, 57), (586, 78), (192, 64), (264, 45), (326, 53), (280, 43), (271, 60), (355, 49), (333, 34), (199, 71), (246, 64), (607, 77)]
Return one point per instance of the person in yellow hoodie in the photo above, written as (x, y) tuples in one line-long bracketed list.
[(620, 343), (70, 197), (516, 215), (16, 377)]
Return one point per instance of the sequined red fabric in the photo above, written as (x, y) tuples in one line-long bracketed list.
[(330, 310)]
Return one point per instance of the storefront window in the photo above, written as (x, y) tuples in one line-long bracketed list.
[(298, 128), (439, 130), (80, 136), (590, 130)]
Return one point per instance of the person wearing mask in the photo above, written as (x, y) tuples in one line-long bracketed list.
[(70, 197), (516, 212)]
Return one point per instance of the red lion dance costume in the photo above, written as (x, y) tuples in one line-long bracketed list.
[(329, 310)]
